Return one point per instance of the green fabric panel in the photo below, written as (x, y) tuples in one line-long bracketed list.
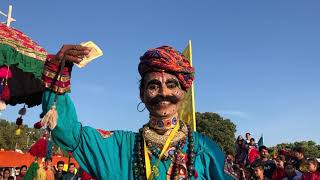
[(10, 56), (32, 171)]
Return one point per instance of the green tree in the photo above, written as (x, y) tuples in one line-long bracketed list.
[(9, 140), (312, 149), (217, 128)]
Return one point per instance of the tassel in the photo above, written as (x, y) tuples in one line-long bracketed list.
[(23, 111), (5, 95), (19, 121), (50, 119), (39, 149), (3, 105)]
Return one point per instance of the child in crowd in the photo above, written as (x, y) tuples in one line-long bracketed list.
[(291, 173), (259, 173), (312, 174)]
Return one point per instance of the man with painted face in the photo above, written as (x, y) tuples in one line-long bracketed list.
[(164, 148)]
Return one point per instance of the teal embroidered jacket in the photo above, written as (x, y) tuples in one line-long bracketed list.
[(111, 158)]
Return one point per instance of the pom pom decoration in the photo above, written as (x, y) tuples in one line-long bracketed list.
[(38, 125), (39, 149), (3, 105), (18, 131), (23, 111), (5, 72), (19, 121)]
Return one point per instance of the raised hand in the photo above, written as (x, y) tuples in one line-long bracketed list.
[(72, 53)]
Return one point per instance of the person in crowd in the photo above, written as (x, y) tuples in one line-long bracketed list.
[(300, 161), (23, 171), (252, 152), (229, 164), (6, 174), (248, 137), (71, 174), (60, 172), (279, 173), (312, 174), (290, 172), (268, 165), (49, 169), (253, 144), (240, 151), (259, 172), (10, 178)]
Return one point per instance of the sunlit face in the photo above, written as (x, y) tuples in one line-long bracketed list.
[(71, 168), (229, 158), (252, 142), (279, 163), (48, 163), (60, 167), (258, 172), (264, 153), (6, 174), (289, 169), (248, 136), (312, 167), (23, 171), (298, 155), (162, 94)]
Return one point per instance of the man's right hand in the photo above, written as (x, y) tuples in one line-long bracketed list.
[(72, 53)]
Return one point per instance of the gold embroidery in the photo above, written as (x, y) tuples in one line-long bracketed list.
[(57, 89), (52, 75), (25, 51), (151, 136)]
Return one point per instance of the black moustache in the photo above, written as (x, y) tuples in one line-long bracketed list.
[(157, 99)]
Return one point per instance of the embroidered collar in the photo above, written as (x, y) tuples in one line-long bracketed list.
[(159, 123)]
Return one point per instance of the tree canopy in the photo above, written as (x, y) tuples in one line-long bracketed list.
[(9, 140), (221, 130), (311, 148)]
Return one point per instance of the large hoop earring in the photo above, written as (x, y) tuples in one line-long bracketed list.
[(140, 110)]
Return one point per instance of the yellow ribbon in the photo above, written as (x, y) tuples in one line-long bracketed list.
[(150, 171)]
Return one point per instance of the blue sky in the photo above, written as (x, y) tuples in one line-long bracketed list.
[(257, 62)]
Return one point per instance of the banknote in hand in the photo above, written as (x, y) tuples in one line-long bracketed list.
[(94, 53)]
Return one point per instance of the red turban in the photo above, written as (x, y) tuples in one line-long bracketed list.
[(168, 59)]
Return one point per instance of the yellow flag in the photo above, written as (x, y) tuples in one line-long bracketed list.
[(187, 110)]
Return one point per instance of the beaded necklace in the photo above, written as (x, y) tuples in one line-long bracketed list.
[(139, 168)]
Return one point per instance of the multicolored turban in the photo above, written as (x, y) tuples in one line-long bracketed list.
[(168, 59)]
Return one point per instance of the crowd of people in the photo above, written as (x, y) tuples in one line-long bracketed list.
[(46, 171), (254, 162)]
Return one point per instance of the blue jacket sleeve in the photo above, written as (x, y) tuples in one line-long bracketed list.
[(98, 155)]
